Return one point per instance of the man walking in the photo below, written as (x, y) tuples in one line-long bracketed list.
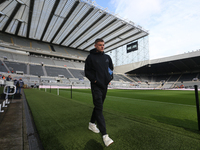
[(99, 70)]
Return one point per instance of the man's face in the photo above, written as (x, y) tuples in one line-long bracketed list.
[(99, 46)]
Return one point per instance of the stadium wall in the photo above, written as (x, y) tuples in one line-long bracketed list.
[(136, 65), (128, 67), (175, 57)]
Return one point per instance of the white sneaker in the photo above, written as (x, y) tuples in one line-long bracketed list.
[(107, 140), (93, 127)]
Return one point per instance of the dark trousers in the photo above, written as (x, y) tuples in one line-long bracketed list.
[(18, 88), (99, 96)]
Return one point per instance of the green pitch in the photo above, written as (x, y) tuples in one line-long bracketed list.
[(135, 119)]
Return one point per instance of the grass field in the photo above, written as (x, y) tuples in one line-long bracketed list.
[(135, 119)]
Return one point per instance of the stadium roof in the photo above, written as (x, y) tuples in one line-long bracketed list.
[(71, 23), (182, 63)]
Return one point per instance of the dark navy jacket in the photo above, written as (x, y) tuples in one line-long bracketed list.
[(8, 79), (97, 65), (20, 83)]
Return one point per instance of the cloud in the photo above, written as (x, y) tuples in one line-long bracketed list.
[(173, 24), (137, 10)]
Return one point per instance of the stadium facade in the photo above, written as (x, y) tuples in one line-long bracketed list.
[(48, 41)]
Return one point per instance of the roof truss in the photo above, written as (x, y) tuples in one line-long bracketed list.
[(71, 23)]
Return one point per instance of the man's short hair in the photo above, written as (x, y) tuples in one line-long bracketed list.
[(98, 40)]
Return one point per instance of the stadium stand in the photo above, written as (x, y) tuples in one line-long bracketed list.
[(65, 81), (19, 57), (168, 85), (120, 77), (116, 77), (188, 76), (2, 67), (48, 80), (135, 78), (33, 79), (63, 63), (22, 42), (27, 57), (160, 78), (6, 55), (36, 70), (55, 72), (37, 59), (78, 64), (60, 49), (174, 77), (67, 69), (16, 67), (41, 46), (77, 73), (125, 78)]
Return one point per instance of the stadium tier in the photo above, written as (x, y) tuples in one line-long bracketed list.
[(18, 45), (55, 72), (35, 65), (36, 70), (15, 67), (2, 67), (39, 65)]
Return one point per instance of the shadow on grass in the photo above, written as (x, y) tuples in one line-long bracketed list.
[(189, 125), (92, 144)]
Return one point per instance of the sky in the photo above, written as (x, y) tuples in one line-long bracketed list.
[(173, 25)]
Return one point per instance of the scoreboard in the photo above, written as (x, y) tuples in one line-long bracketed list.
[(132, 47)]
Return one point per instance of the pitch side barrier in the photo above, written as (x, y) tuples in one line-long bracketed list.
[(183, 89), (122, 88), (86, 87), (111, 87), (61, 87), (9, 89), (180, 89)]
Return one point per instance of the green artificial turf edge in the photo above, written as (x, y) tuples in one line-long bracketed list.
[(143, 103), (52, 126)]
